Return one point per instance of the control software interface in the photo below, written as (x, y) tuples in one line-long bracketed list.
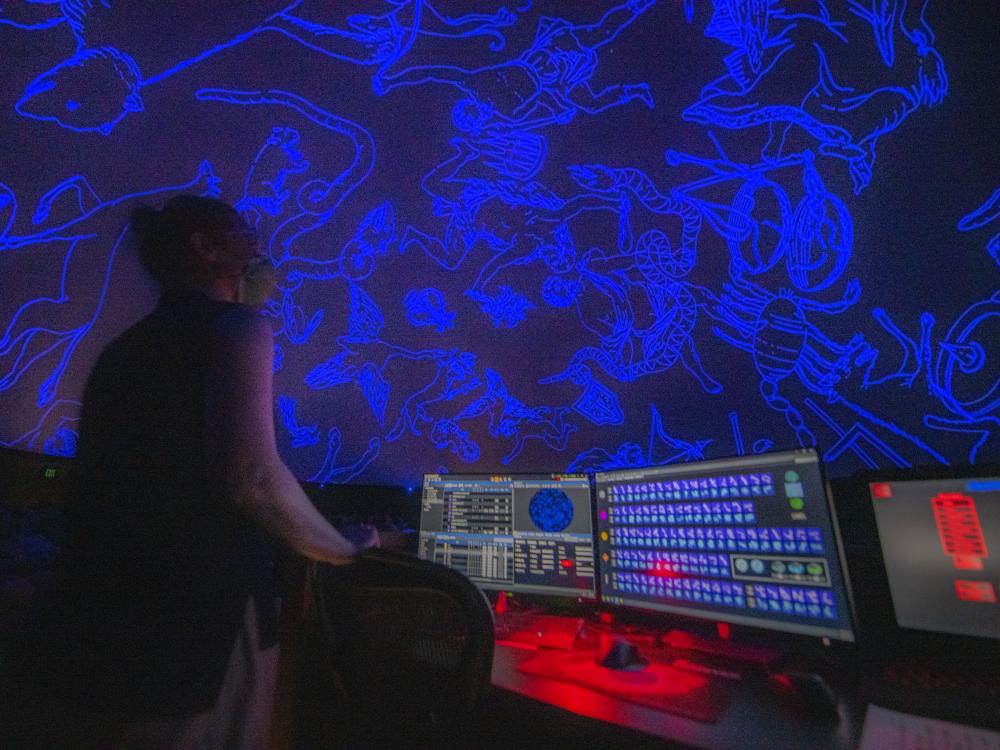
[(940, 542), (527, 533), (746, 540)]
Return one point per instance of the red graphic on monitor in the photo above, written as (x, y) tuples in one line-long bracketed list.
[(959, 529), (881, 490), (976, 591)]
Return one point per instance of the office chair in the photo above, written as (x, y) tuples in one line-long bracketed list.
[(406, 644)]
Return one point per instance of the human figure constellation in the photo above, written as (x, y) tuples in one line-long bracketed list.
[(552, 76)]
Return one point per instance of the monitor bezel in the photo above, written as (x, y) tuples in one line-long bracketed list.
[(534, 597), (755, 625), (880, 631)]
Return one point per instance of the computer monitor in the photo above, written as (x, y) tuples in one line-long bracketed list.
[(748, 540), (940, 543), (523, 533)]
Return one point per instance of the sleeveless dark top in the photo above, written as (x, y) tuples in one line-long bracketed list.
[(158, 568)]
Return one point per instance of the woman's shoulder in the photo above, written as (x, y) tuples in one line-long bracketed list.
[(236, 324)]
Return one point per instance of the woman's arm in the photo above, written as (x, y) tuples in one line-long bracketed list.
[(239, 427)]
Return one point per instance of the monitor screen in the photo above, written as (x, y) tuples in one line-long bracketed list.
[(747, 540), (936, 537), (526, 533)]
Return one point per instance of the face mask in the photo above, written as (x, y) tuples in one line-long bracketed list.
[(257, 282)]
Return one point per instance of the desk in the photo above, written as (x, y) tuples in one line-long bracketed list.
[(754, 720)]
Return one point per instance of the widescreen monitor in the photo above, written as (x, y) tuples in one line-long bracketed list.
[(748, 540), (523, 533), (940, 541)]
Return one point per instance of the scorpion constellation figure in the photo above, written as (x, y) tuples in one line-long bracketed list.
[(552, 75), (775, 330), (103, 80), (61, 320)]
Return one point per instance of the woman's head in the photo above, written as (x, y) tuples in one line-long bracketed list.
[(194, 241)]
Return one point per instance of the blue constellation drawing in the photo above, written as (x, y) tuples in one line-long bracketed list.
[(661, 448), (301, 434), (985, 214), (102, 82), (58, 322), (552, 76), (775, 46), (511, 418), (332, 473), (775, 330), (501, 173), (427, 307), (55, 433)]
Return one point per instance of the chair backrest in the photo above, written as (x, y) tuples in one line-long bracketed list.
[(411, 643)]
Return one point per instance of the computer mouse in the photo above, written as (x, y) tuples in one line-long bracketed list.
[(806, 692), (621, 654)]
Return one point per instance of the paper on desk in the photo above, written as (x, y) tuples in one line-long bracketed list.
[(892, 730)]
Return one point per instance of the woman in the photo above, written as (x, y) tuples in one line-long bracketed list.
[(160, 632)]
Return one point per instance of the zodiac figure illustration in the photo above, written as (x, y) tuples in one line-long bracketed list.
[(776, 44), (774, 329), (551, 76)]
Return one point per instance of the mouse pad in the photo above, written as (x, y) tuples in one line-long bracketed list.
[(657, 686)]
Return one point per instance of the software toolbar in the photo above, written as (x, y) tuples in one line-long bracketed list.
[(749, 540)]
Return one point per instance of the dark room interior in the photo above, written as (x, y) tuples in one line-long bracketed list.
[(574, 373)]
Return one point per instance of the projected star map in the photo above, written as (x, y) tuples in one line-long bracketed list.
[(537, 236)]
